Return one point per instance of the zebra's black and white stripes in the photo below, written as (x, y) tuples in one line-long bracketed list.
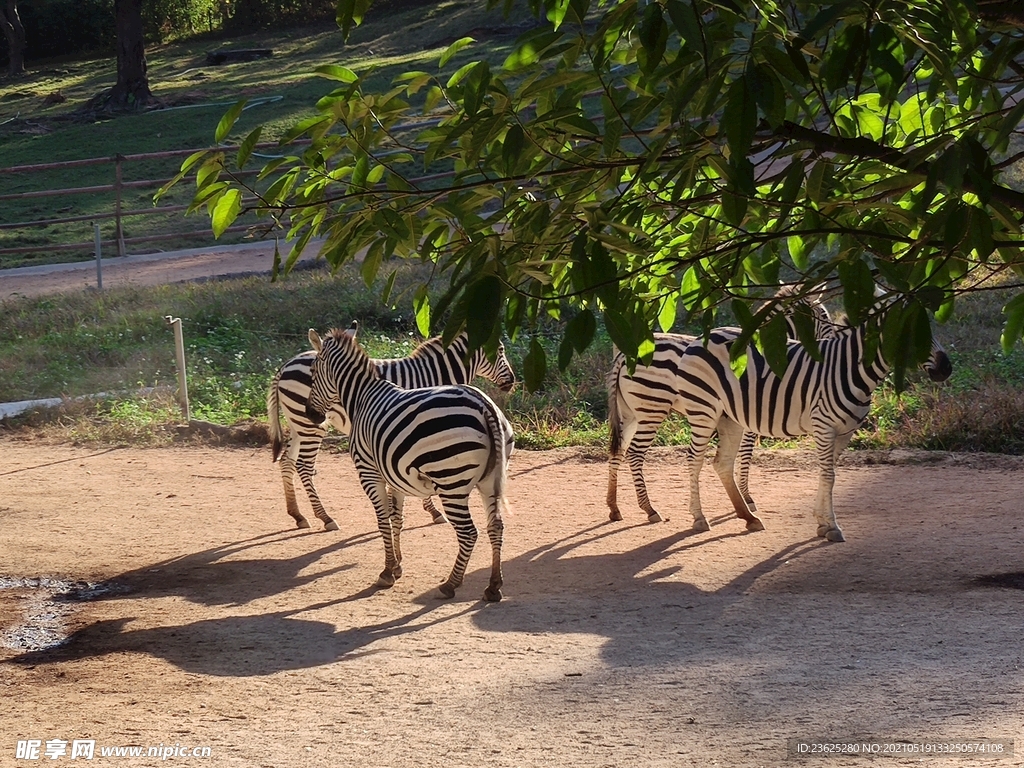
[(639, 402), (430, 364), (827, 399), (420, 442)]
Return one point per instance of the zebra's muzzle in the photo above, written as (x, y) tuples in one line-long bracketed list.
[(507, 386), (314, 415), (941, 367)]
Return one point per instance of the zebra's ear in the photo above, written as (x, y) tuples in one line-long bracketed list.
[(353, 329), (314, 339)]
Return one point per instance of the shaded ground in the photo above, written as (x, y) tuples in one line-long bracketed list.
[(618, 644)]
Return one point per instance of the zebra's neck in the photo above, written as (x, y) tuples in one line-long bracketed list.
[(865, 375)]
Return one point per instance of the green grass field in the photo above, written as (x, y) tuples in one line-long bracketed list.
[(395, 38)]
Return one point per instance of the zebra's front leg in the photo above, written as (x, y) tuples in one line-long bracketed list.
[(380, 496), (826, 441), (306, 465), (700, 436), (397, 521), (428, 506), (730, 437), (456, 509), (288, 480), (743, 459)]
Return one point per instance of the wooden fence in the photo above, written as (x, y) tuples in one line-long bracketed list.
[(117, 210)]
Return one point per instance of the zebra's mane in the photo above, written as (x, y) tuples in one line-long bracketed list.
[(345, 339), (433, 345)]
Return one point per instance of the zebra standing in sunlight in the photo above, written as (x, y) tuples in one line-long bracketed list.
[(827, 399), (430, 364), (416, 442), (639, 402)]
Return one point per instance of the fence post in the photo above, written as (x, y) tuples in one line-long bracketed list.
[(117, 210), (179, 350), (99, 256)]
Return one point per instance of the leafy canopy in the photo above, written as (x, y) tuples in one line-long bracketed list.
[(630, 159)]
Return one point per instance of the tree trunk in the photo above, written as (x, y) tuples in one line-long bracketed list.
[(132, 89), (15, 34)]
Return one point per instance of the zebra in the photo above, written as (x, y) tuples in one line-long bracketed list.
[(444, 440), (430, 364), (827, 399), (639, 402)]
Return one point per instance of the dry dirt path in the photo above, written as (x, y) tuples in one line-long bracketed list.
[(146, 269), (617, 644)]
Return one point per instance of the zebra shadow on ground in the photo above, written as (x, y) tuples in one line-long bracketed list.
[(265, 643)]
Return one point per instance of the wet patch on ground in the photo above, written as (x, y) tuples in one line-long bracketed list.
[(34, 611)]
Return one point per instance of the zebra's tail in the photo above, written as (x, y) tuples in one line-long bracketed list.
[(497, 457), (274, 417), (614, 414)]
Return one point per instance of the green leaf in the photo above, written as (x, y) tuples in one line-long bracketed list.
[(1014, 328), (668, 313), (580, 330), (371, 263), (797, 251), (227, 122), (740, 117), (389, 286), (512, 147), (774, 336), (803, 323), (336, 72), (350, 12), (421, 306), (483, 305), (858, 289), (535, 366), (453, 49), (247, 146), (226, 211)]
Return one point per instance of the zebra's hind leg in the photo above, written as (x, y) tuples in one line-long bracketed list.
[(495, 532), (288, 480), (428, 506), (456, 509), (744, 458), (636, 455), (730, 436), (309, 447), (627, 429)]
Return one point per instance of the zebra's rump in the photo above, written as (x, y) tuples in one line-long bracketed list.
[(426, 441)]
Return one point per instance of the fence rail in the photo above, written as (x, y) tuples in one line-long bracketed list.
[(119, 242)]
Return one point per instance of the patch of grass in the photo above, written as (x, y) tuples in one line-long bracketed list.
[(394, 38), (238, 332)]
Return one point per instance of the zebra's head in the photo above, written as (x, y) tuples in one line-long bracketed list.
[(340, 363), (500, 371)]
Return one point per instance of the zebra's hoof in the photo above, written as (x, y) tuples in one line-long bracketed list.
[(654, 517), (492, 595), (331, 526), (755, 525), (835, 535), (615, 515), (701, 525), (302, 523), (386, 579), (447, 590)]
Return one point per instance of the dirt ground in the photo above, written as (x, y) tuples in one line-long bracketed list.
[(198, 616)]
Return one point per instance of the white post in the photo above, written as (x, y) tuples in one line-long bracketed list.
[(179, 349), (99, 256)]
